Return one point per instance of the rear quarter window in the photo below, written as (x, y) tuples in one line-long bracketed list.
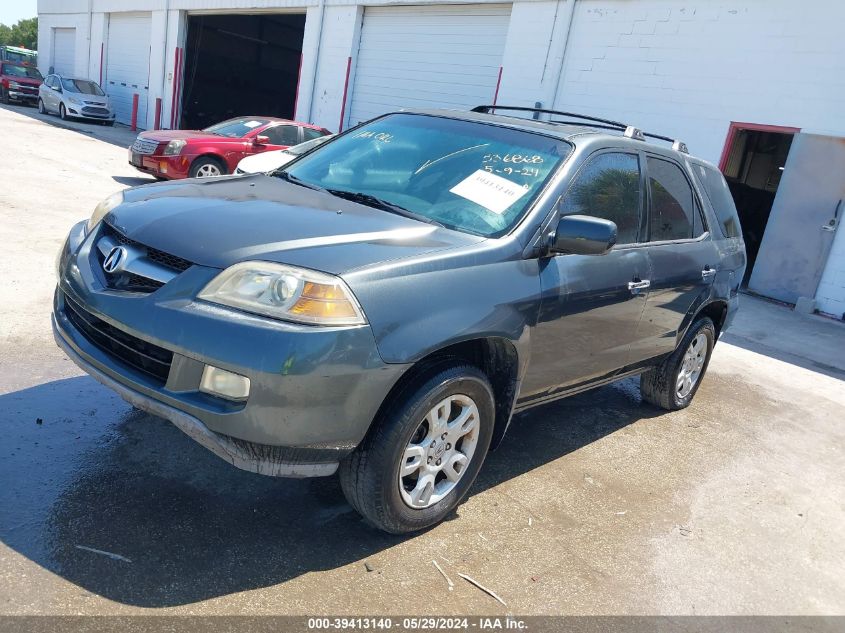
[(716, 190)]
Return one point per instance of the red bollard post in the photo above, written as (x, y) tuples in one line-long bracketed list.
[(134, 112), (157, 122)]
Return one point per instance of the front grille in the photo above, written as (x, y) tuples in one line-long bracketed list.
[(160, 257), (144, 146), (131, 281), (93, 110), (150, 359)]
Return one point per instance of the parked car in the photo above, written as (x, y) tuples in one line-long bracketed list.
[(19, 82), (216, 150), (273, 160), (74, 98), (18, 54), (384, 304)]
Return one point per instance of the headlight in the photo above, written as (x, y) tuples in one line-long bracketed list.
[(285, 292), (14, 85), (103, 208), (174, 147)]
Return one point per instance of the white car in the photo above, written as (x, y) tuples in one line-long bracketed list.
[(271, 161), (73, 98)]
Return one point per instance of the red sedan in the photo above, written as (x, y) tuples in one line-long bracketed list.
[(216, 150)]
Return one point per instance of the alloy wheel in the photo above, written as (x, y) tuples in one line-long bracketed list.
[(208, 170), (692, 365), (439, 452)]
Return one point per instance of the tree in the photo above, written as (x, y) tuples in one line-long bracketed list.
[(24, 33)]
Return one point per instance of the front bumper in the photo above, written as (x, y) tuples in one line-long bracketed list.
[(314, 391), (17, 95), (170, 167)]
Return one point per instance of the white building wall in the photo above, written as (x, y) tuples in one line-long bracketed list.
[(687, 68)]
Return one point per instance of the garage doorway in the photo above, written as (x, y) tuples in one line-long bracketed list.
[(753, 162), (239, 65)]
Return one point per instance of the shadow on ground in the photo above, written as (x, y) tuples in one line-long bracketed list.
[(119, 135), (98, 474)]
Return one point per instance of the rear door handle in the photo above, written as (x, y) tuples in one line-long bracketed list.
[(708, 272), (639, 285)]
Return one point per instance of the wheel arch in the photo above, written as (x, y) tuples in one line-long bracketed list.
[(496, 357), (717, 310)]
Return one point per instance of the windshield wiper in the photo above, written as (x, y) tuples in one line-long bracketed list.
[(377, 203), (291, 178)]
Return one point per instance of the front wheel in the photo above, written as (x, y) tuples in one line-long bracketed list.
[(206, 167), (4, 96), (421, 457), (62, 112), (672, 384), (41, 108)]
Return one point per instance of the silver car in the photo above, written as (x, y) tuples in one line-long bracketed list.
[(73, 98)]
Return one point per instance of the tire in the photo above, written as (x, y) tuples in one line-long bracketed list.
[(660, 384), (108, 123), (4, 96), (63, 112), (41, 108), (370, 476), (207, 167)]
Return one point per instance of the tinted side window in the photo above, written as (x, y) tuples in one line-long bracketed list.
[(673, 208), (283, 135), (717, 191), (309, 134), (608, 187)]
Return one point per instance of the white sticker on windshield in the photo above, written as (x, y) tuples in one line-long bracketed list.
[(489, 190), (252, 124)]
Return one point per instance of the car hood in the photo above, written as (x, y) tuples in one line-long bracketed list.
[(221, 221), (266, 161), (186, 135)]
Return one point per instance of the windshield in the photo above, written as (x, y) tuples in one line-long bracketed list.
[(236, 128), (468, 176), (82, 86), (13, 70), (307, 146)]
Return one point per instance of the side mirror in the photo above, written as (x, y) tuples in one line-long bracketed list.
[(582, 235), (261, 140)]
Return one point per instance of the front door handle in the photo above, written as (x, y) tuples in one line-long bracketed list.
[(633, 286), (708, 273)]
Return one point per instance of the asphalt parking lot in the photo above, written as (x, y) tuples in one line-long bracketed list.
[(597, 504)]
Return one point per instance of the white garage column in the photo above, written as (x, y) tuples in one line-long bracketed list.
[(169, 78), (428, 56), (533, 56), (127, 68), (341, 28), (96, 59)]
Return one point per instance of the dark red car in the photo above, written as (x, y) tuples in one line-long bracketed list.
[(216, 150), (19, 82)]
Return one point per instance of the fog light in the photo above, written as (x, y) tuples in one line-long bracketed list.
[(219, 382), (162, 166)]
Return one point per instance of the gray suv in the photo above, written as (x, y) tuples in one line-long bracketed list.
[(383, 305)]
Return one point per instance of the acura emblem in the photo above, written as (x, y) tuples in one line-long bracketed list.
[(114, 260)]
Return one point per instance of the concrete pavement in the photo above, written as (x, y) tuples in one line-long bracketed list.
[(597, 504)]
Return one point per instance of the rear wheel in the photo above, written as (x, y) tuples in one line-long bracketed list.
[(421, 457), (206, 167), (673, 383)]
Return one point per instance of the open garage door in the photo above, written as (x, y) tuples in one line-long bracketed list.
[(434, 56), (238, 65), (64, 51), (128, 65)]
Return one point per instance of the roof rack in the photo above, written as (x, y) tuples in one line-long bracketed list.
[(589, 121)]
